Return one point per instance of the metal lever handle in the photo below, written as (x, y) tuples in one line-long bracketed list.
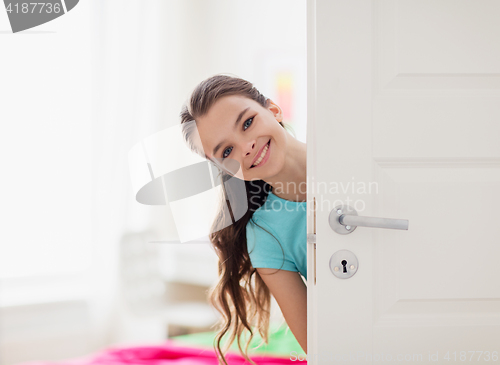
[(354, 220), (344, 219)]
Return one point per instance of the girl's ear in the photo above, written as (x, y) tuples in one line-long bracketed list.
[(276, 110)]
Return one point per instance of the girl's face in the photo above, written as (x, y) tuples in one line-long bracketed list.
[(235, 132)]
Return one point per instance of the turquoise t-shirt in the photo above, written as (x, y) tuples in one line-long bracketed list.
[(287, 221)]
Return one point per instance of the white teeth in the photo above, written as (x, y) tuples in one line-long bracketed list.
[(263, 154)]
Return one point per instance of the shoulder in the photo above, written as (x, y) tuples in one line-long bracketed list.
[(259, 230), (266, 248)]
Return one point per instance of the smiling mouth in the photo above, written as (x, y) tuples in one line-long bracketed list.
[(268, 145)]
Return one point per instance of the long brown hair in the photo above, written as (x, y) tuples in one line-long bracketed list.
[(240, 295)]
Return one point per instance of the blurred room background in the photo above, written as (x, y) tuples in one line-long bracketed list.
[(79, 266)]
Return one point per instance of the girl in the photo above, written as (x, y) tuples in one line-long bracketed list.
[(265, 251)]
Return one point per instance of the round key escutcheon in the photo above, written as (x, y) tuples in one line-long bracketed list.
[(344, 264)]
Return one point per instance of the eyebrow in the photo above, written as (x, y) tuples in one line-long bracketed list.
[(234, 128)]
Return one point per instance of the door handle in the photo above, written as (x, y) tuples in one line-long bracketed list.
[(344, 219)]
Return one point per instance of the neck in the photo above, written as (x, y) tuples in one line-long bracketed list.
[(290, 182)]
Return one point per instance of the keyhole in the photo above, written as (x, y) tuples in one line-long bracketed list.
[(344, 263)]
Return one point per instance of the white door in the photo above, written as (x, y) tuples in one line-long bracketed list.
[(405, 96)]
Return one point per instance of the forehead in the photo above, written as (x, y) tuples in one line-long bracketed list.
[(228, 107)]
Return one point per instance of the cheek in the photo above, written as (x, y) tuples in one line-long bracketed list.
[(231, 166)]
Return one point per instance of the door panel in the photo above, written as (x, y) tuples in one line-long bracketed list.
[(405, 96)]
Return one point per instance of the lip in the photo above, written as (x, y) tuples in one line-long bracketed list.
[(265, 158)]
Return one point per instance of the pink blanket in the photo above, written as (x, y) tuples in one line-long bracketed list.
[(170, 352)]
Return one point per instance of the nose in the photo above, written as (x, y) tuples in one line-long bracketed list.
[(249, 147)]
